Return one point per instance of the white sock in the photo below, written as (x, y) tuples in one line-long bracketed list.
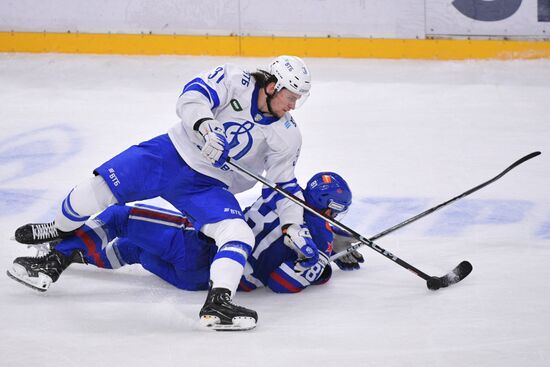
[(226, 273)]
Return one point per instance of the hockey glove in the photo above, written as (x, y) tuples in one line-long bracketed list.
[(297, 237), (215, 142), (350, 261)]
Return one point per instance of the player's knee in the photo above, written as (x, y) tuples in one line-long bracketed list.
[(125, 252), (229, 230), (114, 221), (87, 198), (233, 237), (92, 195), (234, 250)]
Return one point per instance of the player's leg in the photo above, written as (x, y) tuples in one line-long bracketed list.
[(190, 280), (39, 272), (171, 248), (217, 214), (161, 240), (235, 241), (92, 244), (165, 244), (85, 199), (140, 172)]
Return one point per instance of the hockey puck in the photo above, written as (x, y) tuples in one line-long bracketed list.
[(434, 283)]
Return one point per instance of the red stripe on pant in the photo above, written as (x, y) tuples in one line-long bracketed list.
[(244, 287), (162, 216), (285, 283), (90, 245)]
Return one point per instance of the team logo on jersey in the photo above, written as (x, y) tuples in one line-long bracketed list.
[(236, 105), (290, 123), (258, 117), (239, 138), (113, 177), (232, 211)]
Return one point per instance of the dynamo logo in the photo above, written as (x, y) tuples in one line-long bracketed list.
[(239, 138)]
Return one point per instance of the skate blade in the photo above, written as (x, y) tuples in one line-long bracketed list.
[(40, 283), (238, 323)]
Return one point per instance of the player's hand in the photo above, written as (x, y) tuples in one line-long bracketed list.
[(298, 238), (349, 261), (215, 143)]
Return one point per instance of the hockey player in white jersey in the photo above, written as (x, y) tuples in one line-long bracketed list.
[(227, 112)]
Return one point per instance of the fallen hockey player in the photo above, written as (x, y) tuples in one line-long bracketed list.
[(166, 244)]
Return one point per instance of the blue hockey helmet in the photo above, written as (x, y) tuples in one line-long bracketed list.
[(328, 190)]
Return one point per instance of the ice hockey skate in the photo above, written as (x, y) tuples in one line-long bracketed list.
[(36, 233), (39, 273), (219, 313)]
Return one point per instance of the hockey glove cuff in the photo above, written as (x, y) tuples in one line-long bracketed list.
[(215, 142), (298, 238)]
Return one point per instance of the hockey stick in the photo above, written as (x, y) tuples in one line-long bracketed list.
[(437, 207), (433, 283), (460, 272)]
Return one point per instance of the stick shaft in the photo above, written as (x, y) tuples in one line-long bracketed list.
[(334, 222), (437, 207)]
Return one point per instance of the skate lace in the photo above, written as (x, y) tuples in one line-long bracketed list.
[(42, 249), (43, 231), (227, 299), (44, 256)]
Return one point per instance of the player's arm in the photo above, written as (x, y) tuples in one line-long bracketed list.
[(197, 106), (292, 276), (286, 278), (284, 142), (296, 234)]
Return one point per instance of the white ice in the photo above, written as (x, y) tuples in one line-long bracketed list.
[(407, 135)]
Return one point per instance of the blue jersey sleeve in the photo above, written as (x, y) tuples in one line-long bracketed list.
[(272, 263), (285, 280)]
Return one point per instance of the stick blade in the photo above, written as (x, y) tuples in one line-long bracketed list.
[(461, 271)]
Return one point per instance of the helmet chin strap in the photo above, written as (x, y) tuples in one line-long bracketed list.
[(268, 98)]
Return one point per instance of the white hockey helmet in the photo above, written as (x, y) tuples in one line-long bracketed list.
[(291, 73)]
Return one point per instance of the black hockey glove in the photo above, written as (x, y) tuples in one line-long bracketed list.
[(350, 261)]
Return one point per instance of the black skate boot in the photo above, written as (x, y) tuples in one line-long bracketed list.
[(35, 233), (39, 272), (219, 313)]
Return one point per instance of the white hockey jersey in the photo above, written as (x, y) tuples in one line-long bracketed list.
[(261, 143)]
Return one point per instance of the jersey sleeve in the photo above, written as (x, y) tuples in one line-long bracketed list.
[(285, 280), (272, 262), (288, 211), (202, 96), (285, 143)]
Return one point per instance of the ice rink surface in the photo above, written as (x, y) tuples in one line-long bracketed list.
[(406, 135)]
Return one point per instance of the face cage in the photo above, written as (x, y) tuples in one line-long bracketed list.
[(299, 103), (337, 215)]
